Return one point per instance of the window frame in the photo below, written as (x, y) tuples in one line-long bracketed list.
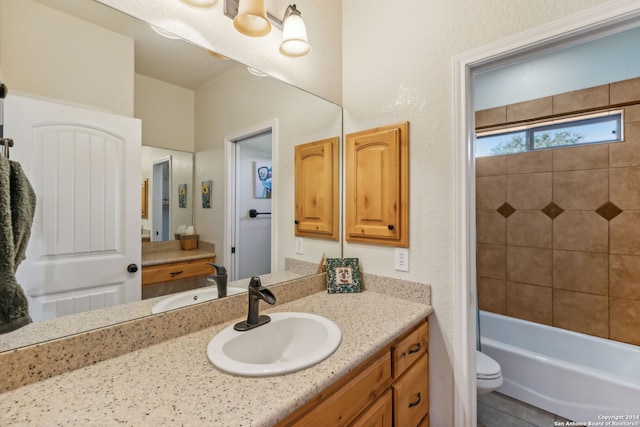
[(541, 126)]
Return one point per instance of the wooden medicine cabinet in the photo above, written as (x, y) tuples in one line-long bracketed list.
[(316, 189), (377, 186)]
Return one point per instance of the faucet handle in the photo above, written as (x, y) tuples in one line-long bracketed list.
[(220, 270), (255, 282)]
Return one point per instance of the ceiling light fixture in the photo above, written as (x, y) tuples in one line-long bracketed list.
[(294, 34), (164, 33), (256, 73), (201, 4), (251, 18)]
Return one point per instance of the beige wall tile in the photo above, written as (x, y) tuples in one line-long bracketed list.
[(490, 165), (529, 265), (529, 302), (625, 320), (576, 158), (625, 91), (581, 190), (581, 271), (632, 113), (529, 228), (491, 192), (580, 231), (624, 276), (492, 295), (531, 162), (491, 227), (624, 233), (624, 188), (491, 116), (491, 261), (577, 100), (529, 191), (533, 109), (627, 153), (580, 312)]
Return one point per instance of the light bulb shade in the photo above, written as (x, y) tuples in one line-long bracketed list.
[(294, 36), (251, 19)]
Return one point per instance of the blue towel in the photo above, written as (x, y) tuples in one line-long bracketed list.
[(17, 208)]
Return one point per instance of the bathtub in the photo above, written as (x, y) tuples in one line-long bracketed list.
[(576, 376)]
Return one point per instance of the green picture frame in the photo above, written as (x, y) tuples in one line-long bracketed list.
[(343, 275)]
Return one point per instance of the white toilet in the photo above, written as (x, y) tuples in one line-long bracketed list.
[(488, 374)]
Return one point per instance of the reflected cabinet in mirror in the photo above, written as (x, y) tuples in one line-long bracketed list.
[(217, 144)]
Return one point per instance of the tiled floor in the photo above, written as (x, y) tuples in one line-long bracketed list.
[(498, 410)]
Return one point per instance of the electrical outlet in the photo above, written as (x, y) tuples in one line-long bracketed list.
[(299, 246), (402, 259)]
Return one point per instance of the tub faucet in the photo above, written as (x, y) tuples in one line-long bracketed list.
[(257, 292), (220, 279)]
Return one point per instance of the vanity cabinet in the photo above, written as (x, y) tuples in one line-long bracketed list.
[(160, 273), (389, 389), (316, 189), (377, 186)]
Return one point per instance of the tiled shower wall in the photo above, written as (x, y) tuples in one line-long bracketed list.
[(558, 230)]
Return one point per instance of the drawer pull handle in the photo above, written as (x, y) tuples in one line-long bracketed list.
[(175, 273), (416, 348), (416, 402)]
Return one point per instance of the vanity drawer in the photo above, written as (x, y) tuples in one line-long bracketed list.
[(342, 406), (176, 271), (409, 349), (411, 395)]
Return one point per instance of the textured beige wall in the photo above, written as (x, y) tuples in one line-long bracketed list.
[(167, 113), (397, 65), (51, 54)]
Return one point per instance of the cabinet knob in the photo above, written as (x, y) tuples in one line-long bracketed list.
[(132, 268), (296, 222), (390, 227)]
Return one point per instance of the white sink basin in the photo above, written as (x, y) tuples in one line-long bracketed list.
[(184, 299), (289, 343)]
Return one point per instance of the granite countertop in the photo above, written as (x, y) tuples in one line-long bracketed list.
[(173, 383)]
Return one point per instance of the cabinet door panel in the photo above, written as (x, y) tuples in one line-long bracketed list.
[(380, 414), (411, 395), (376, 170), (316, 189), (344, 405)]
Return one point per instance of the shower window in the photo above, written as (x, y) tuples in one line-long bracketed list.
[(592, 129)]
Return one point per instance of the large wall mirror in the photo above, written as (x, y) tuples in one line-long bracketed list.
[(193, 107)]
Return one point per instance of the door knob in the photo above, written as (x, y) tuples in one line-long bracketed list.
[(132, 268)]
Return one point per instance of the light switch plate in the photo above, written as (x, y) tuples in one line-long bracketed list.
[(299, 245), (402, 259)]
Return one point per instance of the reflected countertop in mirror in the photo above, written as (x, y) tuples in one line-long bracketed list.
[(47, 330)]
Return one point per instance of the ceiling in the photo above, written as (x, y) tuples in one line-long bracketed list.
[(172, 61)]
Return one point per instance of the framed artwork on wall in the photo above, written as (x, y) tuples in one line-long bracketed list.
[(182, 195), (206, 194), (263, 174)]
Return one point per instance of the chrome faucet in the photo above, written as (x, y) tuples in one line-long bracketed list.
[(220, 279), (257, 292)]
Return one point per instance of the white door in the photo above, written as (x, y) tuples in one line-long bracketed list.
[(84, 166), (253, 192)]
